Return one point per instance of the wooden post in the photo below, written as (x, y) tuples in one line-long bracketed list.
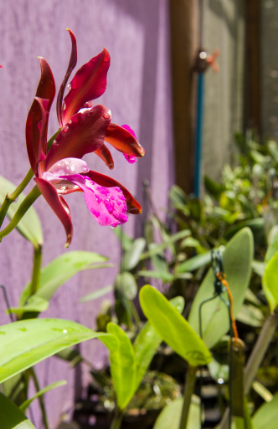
[(184, 45)]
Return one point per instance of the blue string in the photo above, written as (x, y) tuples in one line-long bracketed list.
[(199, 134)]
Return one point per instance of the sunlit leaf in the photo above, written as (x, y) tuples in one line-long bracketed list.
[(270, 282), (172, 327), (11, 416), (33, 304), (194, 263), (272, 244), (26, 404), (28, 342), (237, 259), (123, 367), (29, 226), (262, 391), (267, 415), (250, 315), (156, 250), (62, 269), (171, 414)]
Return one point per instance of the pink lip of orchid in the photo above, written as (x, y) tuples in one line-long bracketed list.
[(61, 171)]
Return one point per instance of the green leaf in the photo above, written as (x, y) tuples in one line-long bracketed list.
[(62, 269), (272, 244), (218, 371), (171, 414), (29, 226), (173, 328), (156, 250), (126, 285), (11, 416), (270, 282), (194, 263), (34, 303), (189, 242), (132, 256), (125, 240), (237, 259), (123, 368), (250, 315), (177, 195), (25, 405), (267, 415), (96, 294), (147, 342), (28, 342), (213, 187), (256, 226)]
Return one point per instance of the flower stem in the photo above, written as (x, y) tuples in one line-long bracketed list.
[(22, 209), (117, 420), (256, 357), (9, 199), (40, 398), (188, 391), (37, 259)]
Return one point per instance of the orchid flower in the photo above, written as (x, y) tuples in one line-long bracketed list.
[(60, 170)]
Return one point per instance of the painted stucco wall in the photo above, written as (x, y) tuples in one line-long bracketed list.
[(223, 102), (138, 93)]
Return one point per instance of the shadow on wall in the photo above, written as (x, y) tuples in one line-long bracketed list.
[(148, 16)]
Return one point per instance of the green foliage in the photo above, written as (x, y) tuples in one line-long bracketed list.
[(62, 269), (26, 404), (28, 342), (173, 328), (267, 415), (11, 416), (171, 414), (29, 226), (237, 259)]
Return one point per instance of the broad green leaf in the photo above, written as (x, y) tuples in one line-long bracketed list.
[(147, 342), (34, 303), (96, 294), (194, 263), (250, 315), (214, 188), (27, 342), (132, 256), (123, 368), (177, 195), (11, 416), (167, 243), (272, 244), (251, 297), (29, 226), (270, 282), (267, 415), (125, 240), (26, 404), (126, 285), (218, 371), (170, 416), (237, 259), (172, 327), (62, 269)]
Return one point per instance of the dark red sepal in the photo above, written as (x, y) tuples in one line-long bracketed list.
[(133, 206), (71, 65), (104, 153), (58, 205), (88, 83), (122, 140), (83, 134)]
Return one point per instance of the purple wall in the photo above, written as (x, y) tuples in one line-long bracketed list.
[(138, 93)]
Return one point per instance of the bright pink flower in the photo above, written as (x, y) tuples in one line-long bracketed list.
[(59, 170)]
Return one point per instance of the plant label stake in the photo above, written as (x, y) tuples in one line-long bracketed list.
[(236, 364)]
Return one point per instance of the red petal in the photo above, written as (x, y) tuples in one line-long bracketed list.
[(36, 144), (58, 205), (71, 65), (133, 206), (123, 141), (84, 133), (88, 83), (104, 153)]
